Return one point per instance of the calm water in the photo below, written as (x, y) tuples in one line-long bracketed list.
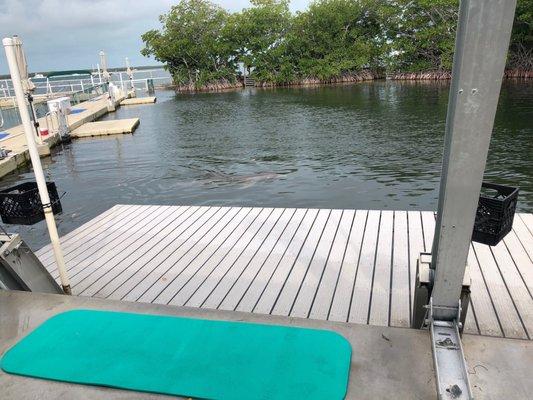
[(372, 145)]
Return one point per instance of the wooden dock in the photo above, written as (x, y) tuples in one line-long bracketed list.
[(338, 265)]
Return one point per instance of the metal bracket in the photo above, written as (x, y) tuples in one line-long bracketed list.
[(450, 366)]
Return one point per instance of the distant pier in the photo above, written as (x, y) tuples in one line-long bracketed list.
[(83, 114)]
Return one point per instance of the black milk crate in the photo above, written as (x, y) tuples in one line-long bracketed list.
[(22, 205), (495, 213)]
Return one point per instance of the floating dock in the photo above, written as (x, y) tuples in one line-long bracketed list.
[(83, 113), (355, 266), (110, 127), (138, 100)]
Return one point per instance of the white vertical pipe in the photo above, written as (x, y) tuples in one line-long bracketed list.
[(9, 47), (99, 73), (92, 80), (121, 81), (81, 83)]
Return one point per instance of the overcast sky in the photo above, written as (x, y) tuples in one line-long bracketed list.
[(68, 34)]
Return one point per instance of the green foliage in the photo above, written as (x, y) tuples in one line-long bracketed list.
[(422, 33), (202, 43), (521, 48), (259, 35), (191, 43), (337, 37)]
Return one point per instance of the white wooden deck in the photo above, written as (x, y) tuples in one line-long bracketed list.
[(342, 265)]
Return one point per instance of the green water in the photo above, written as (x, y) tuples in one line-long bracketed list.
[(375, 145)]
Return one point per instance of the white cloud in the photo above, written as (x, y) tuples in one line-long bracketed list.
[(61, 34)]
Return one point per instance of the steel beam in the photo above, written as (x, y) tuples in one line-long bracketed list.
[(481, 45)]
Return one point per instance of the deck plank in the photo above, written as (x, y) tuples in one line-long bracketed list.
[(515, 285), (89, 236), (400, 293), (102, 287), (341, 265), (521, 259), (528, 220), (206, 256), (233, 296), (220, 254), (166, 259), (503, 303), (43, 252), (298, 271), (365, 270), (169, 269), (471, 326), (257, 287), (524, 235), (326, 289), (270, 294), (240, 246), (225, 283), (129, 245), (202, 248), (428, 228), (119, 286), (105, 244), (313, 276), (487, 319), (342, 298), (378, 313), (416, 246)]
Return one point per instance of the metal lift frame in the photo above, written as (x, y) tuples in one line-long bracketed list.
[(482, 41)]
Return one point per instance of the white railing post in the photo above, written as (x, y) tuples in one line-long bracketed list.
[(99, 73), (9, 47)]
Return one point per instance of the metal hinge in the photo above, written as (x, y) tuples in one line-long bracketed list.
[(450, 366)]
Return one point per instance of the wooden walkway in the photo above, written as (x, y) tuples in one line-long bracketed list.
[(341, 265)]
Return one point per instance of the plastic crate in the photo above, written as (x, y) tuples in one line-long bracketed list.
[(22, 205), (495, 214)]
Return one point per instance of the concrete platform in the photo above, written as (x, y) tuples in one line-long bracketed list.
[(138, 100), (110, 127), (386, 362)]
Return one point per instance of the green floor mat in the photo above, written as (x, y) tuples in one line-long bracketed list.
[(183, 356)]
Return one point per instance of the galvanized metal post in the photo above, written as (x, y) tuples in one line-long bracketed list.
[(480, 55)]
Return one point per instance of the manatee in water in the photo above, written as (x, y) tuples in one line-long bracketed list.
[(246, 180)]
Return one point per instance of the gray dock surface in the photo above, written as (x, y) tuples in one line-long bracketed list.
[(354, 266), (386, 362)]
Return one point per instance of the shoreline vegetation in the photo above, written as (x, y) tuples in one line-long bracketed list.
[(207, 48)]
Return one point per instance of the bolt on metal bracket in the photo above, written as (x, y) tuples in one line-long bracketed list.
[(450, 366)]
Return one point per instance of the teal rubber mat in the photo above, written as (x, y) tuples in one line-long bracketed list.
[(183, 356)]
